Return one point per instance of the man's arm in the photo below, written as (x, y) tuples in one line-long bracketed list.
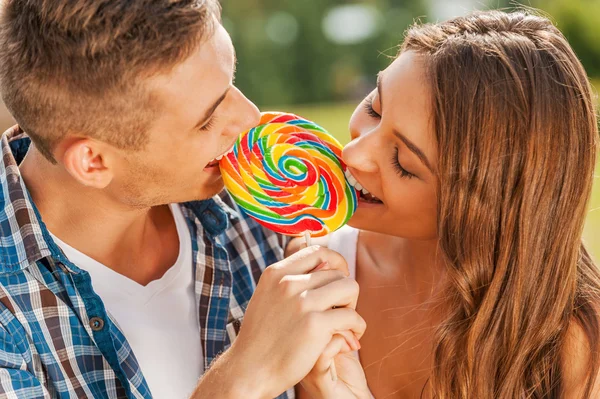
[(229, 377), (299, 305)]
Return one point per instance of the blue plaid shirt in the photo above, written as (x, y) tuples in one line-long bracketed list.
[(56, 338)]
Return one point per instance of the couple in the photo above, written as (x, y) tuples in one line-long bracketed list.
[(125, 274)]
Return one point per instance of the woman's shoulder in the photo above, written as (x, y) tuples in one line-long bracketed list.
[(576, 357)]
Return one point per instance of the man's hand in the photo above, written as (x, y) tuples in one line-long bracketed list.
[(291, 318)]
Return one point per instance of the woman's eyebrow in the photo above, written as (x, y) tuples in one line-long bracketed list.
[(411, 146), (416, 150)]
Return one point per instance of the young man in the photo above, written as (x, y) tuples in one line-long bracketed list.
[(122, 273)]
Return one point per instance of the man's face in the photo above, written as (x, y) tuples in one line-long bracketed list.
[(201, 116)]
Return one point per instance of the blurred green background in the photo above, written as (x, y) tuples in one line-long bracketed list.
[(318, 58)]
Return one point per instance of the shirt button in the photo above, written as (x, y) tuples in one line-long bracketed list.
[(96, 323), (208, 214)]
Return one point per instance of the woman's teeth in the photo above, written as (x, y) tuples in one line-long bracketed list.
[(354, 183), (364, 192)]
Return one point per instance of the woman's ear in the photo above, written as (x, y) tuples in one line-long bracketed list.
[(84, 160)]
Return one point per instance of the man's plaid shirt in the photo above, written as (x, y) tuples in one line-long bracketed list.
[(56, 338)]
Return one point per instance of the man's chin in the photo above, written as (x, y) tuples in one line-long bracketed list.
[(209, 191), (200, 193)]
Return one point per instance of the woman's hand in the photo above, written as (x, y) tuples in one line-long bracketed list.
[(351, 382)]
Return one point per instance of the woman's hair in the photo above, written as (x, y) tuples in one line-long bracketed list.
[(517, 136)]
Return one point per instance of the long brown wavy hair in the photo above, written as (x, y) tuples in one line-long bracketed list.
[(517, 137)]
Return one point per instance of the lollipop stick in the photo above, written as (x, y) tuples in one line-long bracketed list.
[(332, 369), (307, 238)]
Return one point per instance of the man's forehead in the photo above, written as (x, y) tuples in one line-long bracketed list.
[(222, 46), (209, 68)]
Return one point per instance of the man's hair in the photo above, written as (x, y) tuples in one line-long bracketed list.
[(76, 66)]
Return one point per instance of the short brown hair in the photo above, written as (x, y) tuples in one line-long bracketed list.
[(75, 66)]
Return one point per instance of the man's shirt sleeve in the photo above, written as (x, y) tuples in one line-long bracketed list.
[(15, 381)]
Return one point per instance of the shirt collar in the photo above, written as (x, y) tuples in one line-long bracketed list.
[(22, 233)]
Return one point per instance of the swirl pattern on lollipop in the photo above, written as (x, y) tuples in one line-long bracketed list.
[(287, 173)]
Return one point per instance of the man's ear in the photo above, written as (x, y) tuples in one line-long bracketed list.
[(85, 160)]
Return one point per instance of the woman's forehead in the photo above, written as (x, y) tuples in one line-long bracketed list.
[(406, 100)]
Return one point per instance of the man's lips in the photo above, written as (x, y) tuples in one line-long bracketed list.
[(216, 160), (212, 164)]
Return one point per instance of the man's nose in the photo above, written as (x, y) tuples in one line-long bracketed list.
[(360, 154), (246, 115)]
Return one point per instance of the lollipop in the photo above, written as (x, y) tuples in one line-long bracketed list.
[(287, 174)]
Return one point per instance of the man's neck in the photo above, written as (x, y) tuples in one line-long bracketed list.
[(141, 244)]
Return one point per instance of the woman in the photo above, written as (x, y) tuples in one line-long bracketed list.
[(477, 151)]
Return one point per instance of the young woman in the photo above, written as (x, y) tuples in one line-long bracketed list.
[(475, 157)]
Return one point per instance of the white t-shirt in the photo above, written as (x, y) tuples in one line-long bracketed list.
[(344, 241), (160, 320)]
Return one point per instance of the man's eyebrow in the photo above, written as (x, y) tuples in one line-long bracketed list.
[(235, 62), (411, 146), (211, 110)]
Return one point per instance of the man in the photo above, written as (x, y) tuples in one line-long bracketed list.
[(121, 273)]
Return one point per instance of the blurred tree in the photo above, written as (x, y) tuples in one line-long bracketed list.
[(296, 52), (579, 22), (316, 51)]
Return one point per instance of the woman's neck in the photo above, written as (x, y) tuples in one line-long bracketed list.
[(417, 263)]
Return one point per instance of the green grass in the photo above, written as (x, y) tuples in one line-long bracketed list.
[(592, 227), (591, 233), (335, 117)]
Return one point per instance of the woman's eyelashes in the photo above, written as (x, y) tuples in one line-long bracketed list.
[(395, 162), (369, 108), (399, 169)]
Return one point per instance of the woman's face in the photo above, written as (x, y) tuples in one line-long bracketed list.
[(393, 154)]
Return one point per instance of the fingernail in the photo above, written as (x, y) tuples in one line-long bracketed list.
[(358, 345)]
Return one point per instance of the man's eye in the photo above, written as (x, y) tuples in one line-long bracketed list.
[(208, 125)]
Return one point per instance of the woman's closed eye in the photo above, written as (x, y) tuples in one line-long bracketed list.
[(369, 108), (398, 167)]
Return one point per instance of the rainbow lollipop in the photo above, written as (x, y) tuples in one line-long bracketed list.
[(287, 173)]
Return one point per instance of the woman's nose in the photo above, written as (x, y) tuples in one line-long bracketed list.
[(360, 154), (246, 113)]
